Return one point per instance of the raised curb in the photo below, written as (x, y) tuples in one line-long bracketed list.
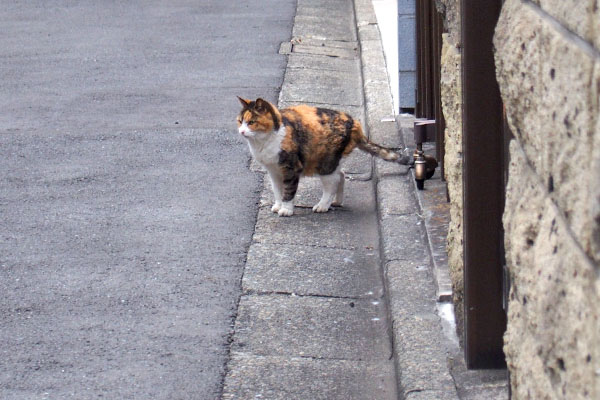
[(419, 345)]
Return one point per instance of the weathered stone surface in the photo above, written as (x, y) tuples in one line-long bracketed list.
[(306, 228), (318, 62), (550, 84), (411, 288), (451, 10), (344, 7), (323, 27), (430, 395), (365, 14), (377, 93), (475, 384), (436, 215), (379, 97), (317, 327), (334, 52), (259, 377), (551, 91), (307, 270), (579, 16), (451, 97), (347, 227), (403, 237), (326, 87), (338, 44), (369, 32), (317, 11), (396, 194), (487, 393), (420, 344), (594, 194), (553, 336), (384, 131), (374, 69)]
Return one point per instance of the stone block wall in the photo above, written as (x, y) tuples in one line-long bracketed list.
[(548, 69), (451, 96)]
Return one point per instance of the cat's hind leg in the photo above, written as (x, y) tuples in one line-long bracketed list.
[(331, 184), (339, 195)]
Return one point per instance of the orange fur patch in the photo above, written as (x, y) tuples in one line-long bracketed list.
[(324, 134), (288, 143)]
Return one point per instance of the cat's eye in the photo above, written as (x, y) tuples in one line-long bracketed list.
[(252, 122)]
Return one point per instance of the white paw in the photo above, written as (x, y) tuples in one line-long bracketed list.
[(285, 212), (276, 207), (319, 208), (337, 204)]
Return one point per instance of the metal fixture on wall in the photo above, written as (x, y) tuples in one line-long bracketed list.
[(425, 165)]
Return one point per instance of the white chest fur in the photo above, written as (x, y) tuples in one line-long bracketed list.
[(265, 147)]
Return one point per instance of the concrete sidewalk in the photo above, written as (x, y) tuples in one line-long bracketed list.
[(343, 305)]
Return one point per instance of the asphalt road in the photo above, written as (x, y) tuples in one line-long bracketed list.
[(126, 203)]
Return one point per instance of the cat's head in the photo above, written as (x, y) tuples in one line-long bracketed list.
[(257, 117)]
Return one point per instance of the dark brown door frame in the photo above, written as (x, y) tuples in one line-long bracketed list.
[(429, 28), (483, 186)]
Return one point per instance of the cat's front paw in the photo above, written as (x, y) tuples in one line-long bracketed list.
[(276, 207), (319, 208), (286, 210)]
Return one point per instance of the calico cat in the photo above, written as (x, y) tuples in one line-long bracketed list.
[(304, 141)]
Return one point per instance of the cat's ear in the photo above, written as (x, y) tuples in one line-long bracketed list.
[(261, 105), (243, 102)]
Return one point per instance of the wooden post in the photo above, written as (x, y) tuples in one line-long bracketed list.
[(483, 185)]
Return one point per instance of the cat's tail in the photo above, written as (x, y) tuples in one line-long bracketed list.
[(384, 152)]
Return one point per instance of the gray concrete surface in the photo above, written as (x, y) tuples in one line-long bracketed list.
[(312, 322), (126, 204), (273, 377)]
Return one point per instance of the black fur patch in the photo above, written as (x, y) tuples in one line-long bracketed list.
[(300, 136), (332, 114), (291, 169), (276, 122), (330, 163)]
